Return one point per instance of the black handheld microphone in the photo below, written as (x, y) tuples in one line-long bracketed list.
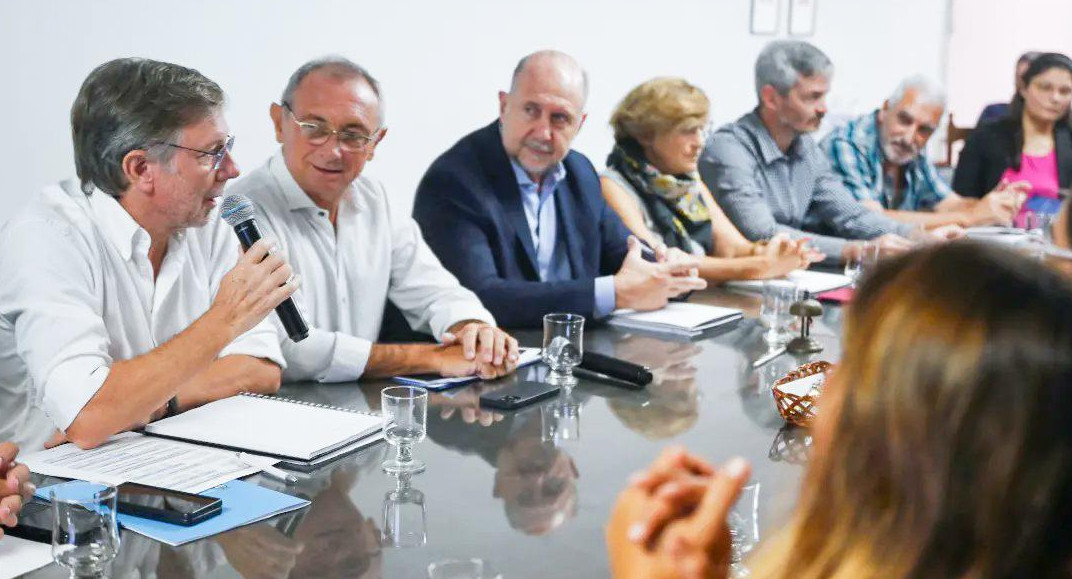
[(616, 368), (238, 212)]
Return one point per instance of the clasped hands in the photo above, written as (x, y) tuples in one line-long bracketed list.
[(474, 348), (671, 519)]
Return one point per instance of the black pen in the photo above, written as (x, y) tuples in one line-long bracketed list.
[(648, 253)]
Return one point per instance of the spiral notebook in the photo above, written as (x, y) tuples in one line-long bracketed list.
[(282, 427)]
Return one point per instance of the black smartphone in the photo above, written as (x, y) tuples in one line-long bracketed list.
[(166, 505), (35, 523), (518, 395)]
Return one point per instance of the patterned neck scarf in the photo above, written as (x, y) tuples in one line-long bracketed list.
[(674, 202)]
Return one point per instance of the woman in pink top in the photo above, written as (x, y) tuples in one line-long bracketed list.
[(1033, 143)]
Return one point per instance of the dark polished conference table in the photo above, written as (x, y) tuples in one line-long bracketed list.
[(526, 493)]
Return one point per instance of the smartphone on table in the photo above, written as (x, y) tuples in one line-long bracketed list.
[(166, 505)]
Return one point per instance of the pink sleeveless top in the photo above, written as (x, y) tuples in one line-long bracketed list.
[(1041, 172)]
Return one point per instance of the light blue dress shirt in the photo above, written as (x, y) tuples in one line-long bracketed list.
[(538, 201)]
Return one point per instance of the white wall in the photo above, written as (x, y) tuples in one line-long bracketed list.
[(441, 62), (987, 38)]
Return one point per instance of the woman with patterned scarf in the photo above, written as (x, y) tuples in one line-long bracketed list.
[(652, 183)]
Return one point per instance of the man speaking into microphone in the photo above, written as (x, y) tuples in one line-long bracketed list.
[(337, 230), (123, 296)]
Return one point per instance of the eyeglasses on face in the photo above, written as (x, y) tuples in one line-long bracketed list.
[(216, 154), (318, 133)]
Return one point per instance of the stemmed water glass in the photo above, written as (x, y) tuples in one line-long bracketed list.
[(405, 416)]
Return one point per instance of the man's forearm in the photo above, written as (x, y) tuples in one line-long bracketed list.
[(137, 387), (387, 360), (229, 376)]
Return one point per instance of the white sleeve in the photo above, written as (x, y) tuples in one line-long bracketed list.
[(326, 357), (51, 295), (429, 296), (323, 356)]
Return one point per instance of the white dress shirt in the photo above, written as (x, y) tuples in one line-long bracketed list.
[(348, 274), (77, 294)]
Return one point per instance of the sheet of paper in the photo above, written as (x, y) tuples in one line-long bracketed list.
[(804, 385), (812, 281), (158, 462), (19, 556), (243, 504), (682, 315)]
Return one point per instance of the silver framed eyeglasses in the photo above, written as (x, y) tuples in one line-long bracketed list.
[(318, 133), (216, 154)]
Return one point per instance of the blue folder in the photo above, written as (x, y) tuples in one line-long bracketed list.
[(243, 503)]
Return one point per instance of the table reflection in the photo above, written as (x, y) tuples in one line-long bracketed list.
[(504, 487)]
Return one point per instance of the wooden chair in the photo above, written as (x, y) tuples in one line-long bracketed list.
[(952, 135)]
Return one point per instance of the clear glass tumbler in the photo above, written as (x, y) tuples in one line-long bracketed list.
[(85, 533), (862, 257), (563, 346), (778, 296)]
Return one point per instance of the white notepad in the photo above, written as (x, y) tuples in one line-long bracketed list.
[(268, 425), (815, 282), (676, 318)]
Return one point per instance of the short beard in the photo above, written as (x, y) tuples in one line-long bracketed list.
[(893, 156)]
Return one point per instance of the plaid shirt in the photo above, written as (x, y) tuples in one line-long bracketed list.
[(764, 191), (855, 152)]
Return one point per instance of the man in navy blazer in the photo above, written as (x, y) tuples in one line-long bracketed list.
[(519, 218)]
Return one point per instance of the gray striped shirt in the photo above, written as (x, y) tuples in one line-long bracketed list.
[(765, 191)]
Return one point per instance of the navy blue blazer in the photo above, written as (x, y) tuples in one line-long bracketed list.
[(468, 205)]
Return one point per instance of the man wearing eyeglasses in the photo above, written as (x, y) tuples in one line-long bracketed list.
[(336, 228), (123, 296)]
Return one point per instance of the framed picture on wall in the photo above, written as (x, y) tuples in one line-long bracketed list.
[(765, 14), (802, 17)]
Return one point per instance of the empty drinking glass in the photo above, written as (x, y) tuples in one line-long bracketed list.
[(743, 522), (1038, 224), (563, 346), (404, 515), (863, 256), (405, 416), (778, 296), (85, 534)]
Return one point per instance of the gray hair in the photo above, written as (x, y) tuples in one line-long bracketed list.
[(927, 91), (340, 68), (134, 103), (783, 62), (552, 54)]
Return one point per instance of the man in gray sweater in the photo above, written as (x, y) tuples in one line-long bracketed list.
[(769, 175)]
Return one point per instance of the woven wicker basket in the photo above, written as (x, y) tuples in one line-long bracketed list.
[(798, 410)]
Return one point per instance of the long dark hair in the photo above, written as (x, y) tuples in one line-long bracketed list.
[(1039, 65)]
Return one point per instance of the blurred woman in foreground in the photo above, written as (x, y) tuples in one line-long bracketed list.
[(942, 448)]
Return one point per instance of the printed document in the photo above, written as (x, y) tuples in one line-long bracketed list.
[(148, 460)]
